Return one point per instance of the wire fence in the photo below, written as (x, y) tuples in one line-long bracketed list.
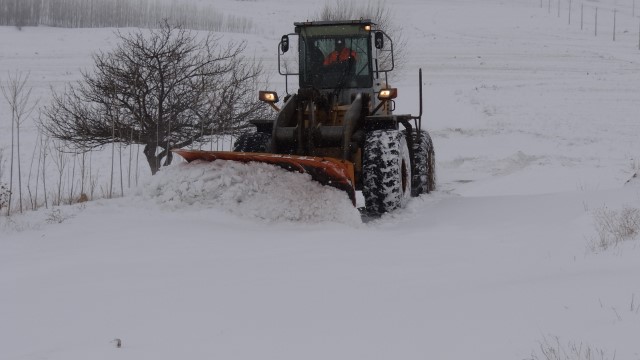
[(617, 19)]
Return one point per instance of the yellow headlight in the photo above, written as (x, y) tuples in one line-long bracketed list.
[(388, 94), (268, 96)]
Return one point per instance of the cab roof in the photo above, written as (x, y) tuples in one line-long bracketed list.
[(330, 23)]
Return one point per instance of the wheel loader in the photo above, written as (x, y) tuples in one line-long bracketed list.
[(339, 126)]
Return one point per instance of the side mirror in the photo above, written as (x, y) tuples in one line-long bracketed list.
[(379, 39), (284, 43)]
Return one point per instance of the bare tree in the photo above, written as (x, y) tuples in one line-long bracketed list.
[(60, 160), (44, 145), (163, 89), (33, 199), (18, 96)]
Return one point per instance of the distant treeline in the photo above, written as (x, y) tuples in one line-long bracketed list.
[(118, 13)]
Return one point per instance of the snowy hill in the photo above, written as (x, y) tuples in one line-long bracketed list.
[(535, 129)]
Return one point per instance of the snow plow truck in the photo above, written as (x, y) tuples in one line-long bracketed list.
[(339, 127)]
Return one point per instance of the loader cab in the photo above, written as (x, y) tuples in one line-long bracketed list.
[(340, 57), (337, 60)]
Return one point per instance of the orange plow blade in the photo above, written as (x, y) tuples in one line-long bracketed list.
[(327, 171)]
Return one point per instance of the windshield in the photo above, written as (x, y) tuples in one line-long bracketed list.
[(335, 60)]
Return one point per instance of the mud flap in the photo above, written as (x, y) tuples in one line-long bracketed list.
[(327, 171)]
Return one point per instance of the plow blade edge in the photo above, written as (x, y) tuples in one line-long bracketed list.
[(327, 171)]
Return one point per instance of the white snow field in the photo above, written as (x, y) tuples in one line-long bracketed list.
[(535, 124)]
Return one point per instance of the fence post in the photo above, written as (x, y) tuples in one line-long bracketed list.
[(569, 12), (615, 11), (549, 7), (596, 30), (582, 17)]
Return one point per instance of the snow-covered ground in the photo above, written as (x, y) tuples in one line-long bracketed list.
[(535, 125)]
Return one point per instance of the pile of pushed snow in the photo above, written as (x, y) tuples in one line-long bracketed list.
[(250, 190)]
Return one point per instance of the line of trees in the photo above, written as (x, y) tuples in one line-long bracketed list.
[(53, 176), (26, 174), (118, 13)]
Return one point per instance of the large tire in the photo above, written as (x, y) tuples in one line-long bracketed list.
[(257, 142), (386, 171), (423, 180)]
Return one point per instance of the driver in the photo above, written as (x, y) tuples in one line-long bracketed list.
[(340, 54)]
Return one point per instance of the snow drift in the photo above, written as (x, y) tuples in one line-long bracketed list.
[(259, 191)]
